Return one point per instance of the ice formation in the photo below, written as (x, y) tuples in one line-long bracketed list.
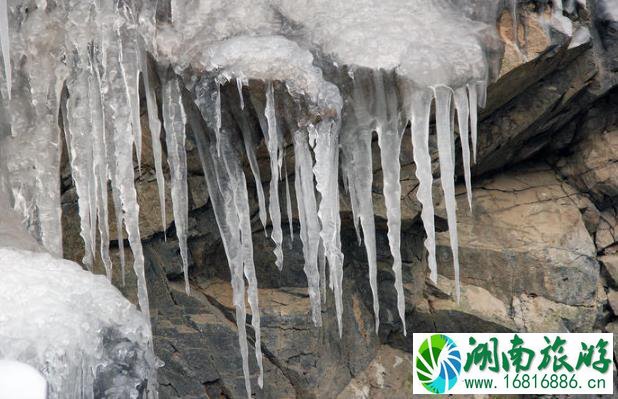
[(322, 76), (74, 327), (174, 121)]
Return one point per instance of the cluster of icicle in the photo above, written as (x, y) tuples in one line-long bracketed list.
[(100, 116), (381, 114)]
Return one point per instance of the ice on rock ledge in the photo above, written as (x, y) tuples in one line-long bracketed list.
[(323, 75), (74, 327)]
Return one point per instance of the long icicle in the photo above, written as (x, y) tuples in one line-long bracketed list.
[(217, 103), (362, 182), (155, 134), (100, 168), (473, 98), (118, 110), (389, 141), (130, 58), (5, 44), (77, 131), (308, 217), (447, 171), (420, 104), (272, 143), (174, 120), (463, 112), (240, 95), (227, 220), (326, 153), (288, 204), (236, 177), (250, 144)]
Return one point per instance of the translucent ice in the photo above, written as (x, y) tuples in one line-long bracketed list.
[(5, 41), (308, 217), (272, 142), (174, 120)]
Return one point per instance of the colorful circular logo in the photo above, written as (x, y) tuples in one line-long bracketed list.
[(438, 363)]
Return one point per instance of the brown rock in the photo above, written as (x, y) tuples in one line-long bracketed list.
[(315, 359), (593, 167), (607, 231), (525, 235), (533, 40), (612, 300), (389, 375), (610, 262)]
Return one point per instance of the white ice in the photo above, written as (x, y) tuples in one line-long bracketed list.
[(71, 326)]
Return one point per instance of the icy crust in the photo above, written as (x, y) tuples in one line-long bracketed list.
[(73, 326), (424, 40), (241, 39), (376, 34), (274, 58)]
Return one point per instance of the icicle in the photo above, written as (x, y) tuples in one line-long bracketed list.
[(473, 97), (131, 63), (390, 146), (117, 110), (288, 205), (463, 113), (174, 120), (100, 168), (78, 130), (357, 147), (239, 86), (322, 272), (308, 217), (217, 99), (5, 43), (155, 134), (326, 153), (447, 171), (389, 141), (420, 112), (361, 194), (241, 200), (272, 142), (250, 145), (230, 205), (347, 172)]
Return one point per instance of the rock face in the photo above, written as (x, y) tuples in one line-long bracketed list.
[(592, 167), (525, 239), (538, 249)]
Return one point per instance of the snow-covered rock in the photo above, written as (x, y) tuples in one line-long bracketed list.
[(73, 327)]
